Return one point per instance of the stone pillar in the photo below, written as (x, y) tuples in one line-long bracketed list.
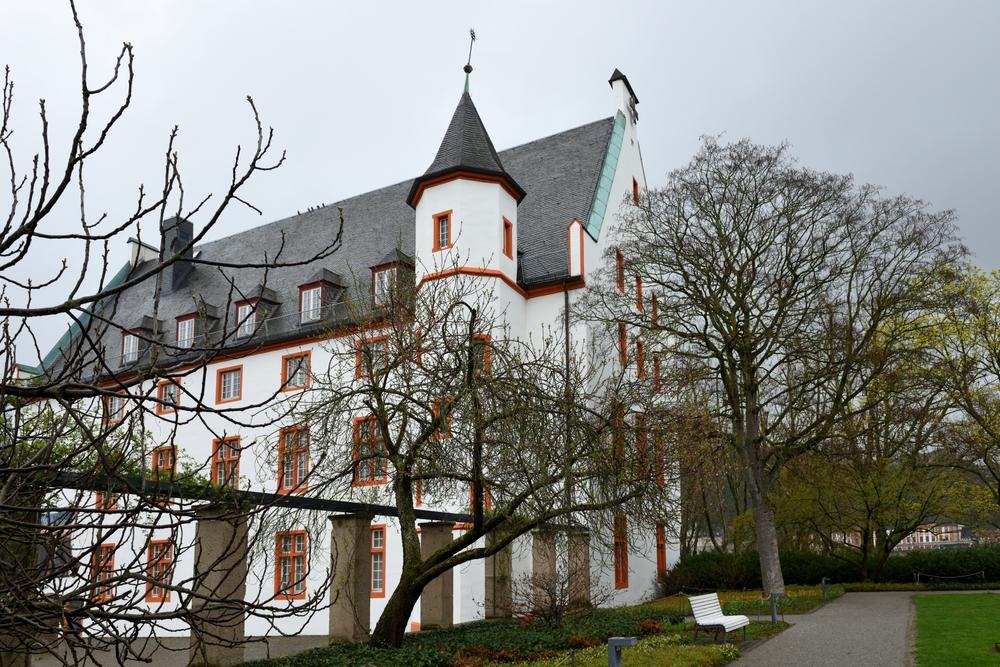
[(220, 571), (543, 567), (498, 582), (437, 603), (578, 545), (350, 583)]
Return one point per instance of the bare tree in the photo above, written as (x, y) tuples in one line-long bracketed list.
[(448, 408), (80, 468), (794, 288)]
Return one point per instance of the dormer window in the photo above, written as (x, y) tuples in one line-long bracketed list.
[(130, 348), (311, 303), (383, 282), (246, 318), (442, 231), (185, 331)]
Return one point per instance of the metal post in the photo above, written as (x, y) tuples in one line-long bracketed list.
[(615, 645), (774, 608)]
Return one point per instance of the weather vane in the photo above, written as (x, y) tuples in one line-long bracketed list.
[(468, 63)]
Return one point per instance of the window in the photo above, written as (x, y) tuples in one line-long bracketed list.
[(163, 463), (168, 396), (378, 561), (638, 293), (620, 269), (370, 354), (185, 331), (246, 318), (226, 461), (439, 407), (418, 491), (295, 371), (383, 283), (290, 565), (621, 551), (103, 567), (293, 459), (442, 231), (635, 192), (622, 345), (369, 453), (130, 348), (482, 353), (114, 408), (655, 315), (508, 238), (311, 303), (640, 359), (159, 568), (661, 551), (656, 372), (105, 501), (229, 384), (487, 497)]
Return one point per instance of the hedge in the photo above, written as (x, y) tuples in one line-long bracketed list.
[(712, 571)]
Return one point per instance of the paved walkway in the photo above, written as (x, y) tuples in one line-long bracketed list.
[(858, 629)]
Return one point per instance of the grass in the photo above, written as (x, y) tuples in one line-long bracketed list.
[(958, 629), (797, 600)]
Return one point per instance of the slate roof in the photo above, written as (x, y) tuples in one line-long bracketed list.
[(559, 172), (466, 147)]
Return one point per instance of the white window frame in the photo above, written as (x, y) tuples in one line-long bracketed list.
[(185, 331), (382, 288), (313, 296), (130, 347), (246, 318)]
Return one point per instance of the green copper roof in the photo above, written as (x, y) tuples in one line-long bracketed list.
[(84, 319), (600, 206)]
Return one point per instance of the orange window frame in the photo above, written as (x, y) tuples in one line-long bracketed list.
[(372, 591), (159, 569), (622, 345), (359, 357), (443, 432), (285, 386), (375, 464), (486, 341), (655, 315), (218, 385), (107, 418), (104, 500), (438, 217), (640, 359), (656, 372), (638, 294), (635, 191), (281, 556), (487, 496), (103, 566), (508, 238), (226, 456), (661, 551), (159, 454), (299, 483), (620, 269), (162, 407), (621, 551)]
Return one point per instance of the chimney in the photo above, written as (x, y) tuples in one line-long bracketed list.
[(176, 233)]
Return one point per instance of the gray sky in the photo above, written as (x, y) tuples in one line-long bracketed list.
[(903, 94)]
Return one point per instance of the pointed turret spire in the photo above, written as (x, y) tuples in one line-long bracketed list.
[(468, 63), (467, 148)]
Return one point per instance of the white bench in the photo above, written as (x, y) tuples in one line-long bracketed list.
[(708, 616)]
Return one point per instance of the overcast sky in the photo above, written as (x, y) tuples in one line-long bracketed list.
[(903, 94)]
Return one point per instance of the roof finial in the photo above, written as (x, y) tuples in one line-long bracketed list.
[(468, 63)]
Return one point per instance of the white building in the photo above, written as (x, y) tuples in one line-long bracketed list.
[(531, 221)]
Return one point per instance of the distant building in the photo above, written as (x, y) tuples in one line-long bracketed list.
[(944, 534)]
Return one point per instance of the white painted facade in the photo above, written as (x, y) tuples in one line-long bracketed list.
[(477, 210)]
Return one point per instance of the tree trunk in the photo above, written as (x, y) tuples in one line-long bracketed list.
[(391, 626), (767, 546)]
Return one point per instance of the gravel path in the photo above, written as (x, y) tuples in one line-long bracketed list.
[(858, 629)]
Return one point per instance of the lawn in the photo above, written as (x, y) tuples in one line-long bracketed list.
[(958, 629), (665, 639)]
